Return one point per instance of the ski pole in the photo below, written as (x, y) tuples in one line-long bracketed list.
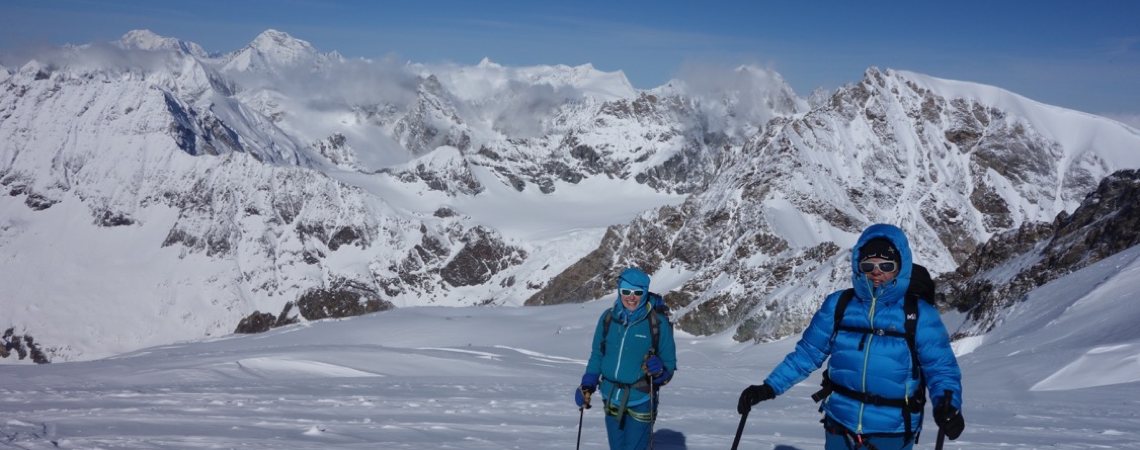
[(582, 413), (941, 433), (652, 409), (941, 439), (740, 429)]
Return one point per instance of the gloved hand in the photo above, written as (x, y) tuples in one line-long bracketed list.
[(590, 381), (588, 386), (752, 395), (655, 367), (949, 419), (580, 398)]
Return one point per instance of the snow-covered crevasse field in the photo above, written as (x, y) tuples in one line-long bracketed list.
[(1063, 371)]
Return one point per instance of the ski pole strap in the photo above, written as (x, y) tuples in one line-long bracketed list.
[(947, 397)]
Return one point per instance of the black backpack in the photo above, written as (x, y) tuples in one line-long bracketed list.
[(921, 287)]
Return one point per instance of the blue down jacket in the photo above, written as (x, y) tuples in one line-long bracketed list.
[(883, 366), (628, 344)]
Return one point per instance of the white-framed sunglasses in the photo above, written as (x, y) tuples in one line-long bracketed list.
[(885, 266), (636, 292)]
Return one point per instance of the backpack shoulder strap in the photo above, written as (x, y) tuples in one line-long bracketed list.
[(657, 306), (910, 326), (654, 326), (655, 331), (609, 317), (840, 308)]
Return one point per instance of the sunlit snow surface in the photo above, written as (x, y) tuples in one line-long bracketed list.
[(1059, 373)]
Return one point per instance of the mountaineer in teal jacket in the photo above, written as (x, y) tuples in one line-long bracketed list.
[(632, 356), (874, 395)]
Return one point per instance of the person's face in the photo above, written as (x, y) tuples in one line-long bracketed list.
[(630, 297), (877, 275)]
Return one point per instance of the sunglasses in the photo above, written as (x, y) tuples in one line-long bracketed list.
[(885, 266), (636, 292)]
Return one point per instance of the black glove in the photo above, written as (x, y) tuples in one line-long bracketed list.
[(752, 395), (949, 420)]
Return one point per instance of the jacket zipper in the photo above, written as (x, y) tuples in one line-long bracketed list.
[(866, 358), (617, 369)]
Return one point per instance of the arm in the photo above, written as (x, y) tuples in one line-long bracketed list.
[(939, 365), (667, 347), (660, 366), (811, 351), (594, 365)]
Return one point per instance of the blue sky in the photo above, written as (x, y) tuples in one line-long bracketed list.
[(1080, 55)]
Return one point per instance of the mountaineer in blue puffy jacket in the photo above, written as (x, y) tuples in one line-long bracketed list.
[(873, 395), (627, 364)]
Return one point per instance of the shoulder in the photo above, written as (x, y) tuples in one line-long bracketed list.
[(832, 300), (924, 307), (928, 314)]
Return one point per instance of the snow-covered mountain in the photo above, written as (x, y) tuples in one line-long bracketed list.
[(182, 191), (953, 163)]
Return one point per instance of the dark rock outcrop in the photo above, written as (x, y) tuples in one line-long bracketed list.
[(342, 298), (1002, 271), (24, 346)]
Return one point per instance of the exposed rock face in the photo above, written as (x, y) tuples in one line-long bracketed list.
[(257, 322), (458, 258), (343, 298), (589, 278), (482, 256), (432, 122), (1006, 268), (23, 345)]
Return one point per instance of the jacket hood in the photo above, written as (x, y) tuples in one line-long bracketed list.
[(896, 289), (635, 278)]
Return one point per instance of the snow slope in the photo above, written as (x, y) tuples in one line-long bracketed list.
[(1059, 373)]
